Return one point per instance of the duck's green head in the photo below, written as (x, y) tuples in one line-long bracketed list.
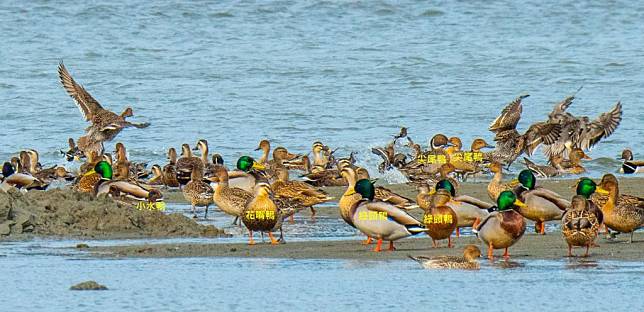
[(104, 169), (527, 179), (586, 187), (446, 185), (365, 188), (507, 200), (246, 163)]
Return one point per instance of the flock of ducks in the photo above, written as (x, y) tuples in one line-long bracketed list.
[(260, 194)]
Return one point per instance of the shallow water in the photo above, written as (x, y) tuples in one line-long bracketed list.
[(40, 277), (345, 72)]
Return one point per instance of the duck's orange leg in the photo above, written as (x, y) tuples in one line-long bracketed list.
[(250, 240), (490, 251), (543, 228), (476, 224), (506, 254), (273, 240), (458, 232), (391, 246), (367, 241), (378, 246)]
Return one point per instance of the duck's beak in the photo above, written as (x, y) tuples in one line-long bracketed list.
[(432, 191), (489, 146), (258, 166), (586, 157), (195, 148), (349, 192), (519, 203), (602, 191), (258, 148), (514, 182), (89, 172)]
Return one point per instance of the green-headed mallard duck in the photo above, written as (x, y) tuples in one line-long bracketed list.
[(261, 213), (586, 188), (469, 261), (579, 225), (541, 204), (502, 228), (386, 195), (25, 181), (468, 209), (630, 166), (198, 192), (440, 219), (89, 181), (381, 220), (248, 173), (622, 212)]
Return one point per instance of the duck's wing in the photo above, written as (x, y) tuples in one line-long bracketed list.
[(600, 128), (87, 105), (473, 201), (552, 197), (393, 213), (509, 117), (383, 154), (541, 132)]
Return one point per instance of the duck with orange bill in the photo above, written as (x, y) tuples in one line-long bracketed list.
[(381, 220), (502, 228)]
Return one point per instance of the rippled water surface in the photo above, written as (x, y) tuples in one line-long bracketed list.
[(345, 72), (40, 277)]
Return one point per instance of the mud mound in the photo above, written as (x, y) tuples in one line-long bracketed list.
[(68, 213)]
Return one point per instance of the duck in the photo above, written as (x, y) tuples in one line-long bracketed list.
[(495, 186), (622, 212), (121, 161), (105, 124), (90, 180), (586, 188), (261, 214), (541, 204), (579, 225), (424, 197), (198, 192), (19, 180), (230, 200), (249, 172), (469, 261), (301, 164), (265, 147), (73, 152), (580, 132), (320, 176), (127, 191), (320, 154), (630, 166), (303, 193), (573, 164), (468, 163), (157, 176), (510, 144), (386, 195), (440, 219), (381, 220), (186, 163), (501, 228), (170, 170), (467, 208), (349, 197)]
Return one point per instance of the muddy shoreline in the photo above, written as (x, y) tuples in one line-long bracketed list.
[(531, 246)]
